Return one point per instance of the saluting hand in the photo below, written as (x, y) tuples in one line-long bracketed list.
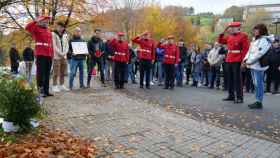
[(226, 29)]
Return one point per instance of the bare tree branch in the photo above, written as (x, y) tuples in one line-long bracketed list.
[(14, 20), (27, 9), (70, 13)]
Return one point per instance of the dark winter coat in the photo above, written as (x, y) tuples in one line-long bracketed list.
[(94, 44), (28, 54), (14, 57)]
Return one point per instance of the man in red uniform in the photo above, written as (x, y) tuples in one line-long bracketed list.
[(43, 52), (146, 55), (170, 60), (120, 57), (238, 44)]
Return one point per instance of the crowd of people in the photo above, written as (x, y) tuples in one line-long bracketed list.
[(232, 63)]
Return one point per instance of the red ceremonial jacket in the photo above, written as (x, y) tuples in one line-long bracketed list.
[(121, 50), (237, 44), (147, 48), (171, 54), (43, 39)]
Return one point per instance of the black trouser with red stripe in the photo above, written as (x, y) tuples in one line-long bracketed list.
[(119, 74), (44, 65), (145, 70), (234, 80), (170, 74)]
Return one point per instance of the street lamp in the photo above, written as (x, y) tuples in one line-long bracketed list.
[(276, 22)]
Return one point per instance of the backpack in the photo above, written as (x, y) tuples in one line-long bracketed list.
[(269, 57)]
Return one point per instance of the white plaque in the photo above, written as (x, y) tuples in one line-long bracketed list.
[(79, 47)]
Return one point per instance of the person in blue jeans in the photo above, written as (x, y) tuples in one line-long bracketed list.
[(206, 67), (130, 66), (197, 61), (159, 64), (181, 65), (259, 47), (76, 60)]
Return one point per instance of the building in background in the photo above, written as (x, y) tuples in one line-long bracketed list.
[(272, 9)]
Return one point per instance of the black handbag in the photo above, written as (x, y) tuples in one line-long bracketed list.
[(267, 58)]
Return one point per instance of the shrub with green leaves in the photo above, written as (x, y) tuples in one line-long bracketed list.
[(18, 102)]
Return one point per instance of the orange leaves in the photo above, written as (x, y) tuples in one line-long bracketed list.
[(47, 144)]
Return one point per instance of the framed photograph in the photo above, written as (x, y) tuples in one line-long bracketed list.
[(79, 47)]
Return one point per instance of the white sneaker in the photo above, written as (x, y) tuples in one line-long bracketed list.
[(63, 88), (55, 89), (152, 83), (199, 85)]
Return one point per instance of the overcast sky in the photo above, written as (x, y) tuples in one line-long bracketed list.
[(216, 6)]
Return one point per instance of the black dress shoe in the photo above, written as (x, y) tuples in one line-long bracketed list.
[(238, 101), (229, 99), (256, 105), (148, 87), (165, 87), (49, 95), (141, 86)]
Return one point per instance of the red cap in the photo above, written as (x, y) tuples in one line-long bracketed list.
[(120, 34), (170, 37), (234, 24), (40, 18)]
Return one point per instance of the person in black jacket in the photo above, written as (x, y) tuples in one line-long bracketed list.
[(96, 56), (28, 58), (77, 60), (181, 65), (188, 64), (14, 59), (273, 73)]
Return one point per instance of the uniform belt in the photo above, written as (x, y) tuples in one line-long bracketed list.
[(145, 50), (234, 51), (169, 56), (42, 44), (119, 53)]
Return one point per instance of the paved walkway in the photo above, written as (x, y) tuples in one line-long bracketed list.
[(207, 105), (125, 127)]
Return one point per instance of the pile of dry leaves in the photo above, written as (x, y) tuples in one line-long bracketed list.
[(47, 144)]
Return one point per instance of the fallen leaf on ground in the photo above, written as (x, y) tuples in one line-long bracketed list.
[(48, 144)]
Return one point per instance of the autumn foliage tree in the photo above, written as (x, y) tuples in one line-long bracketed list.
[(161, 22), (14, 15)]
